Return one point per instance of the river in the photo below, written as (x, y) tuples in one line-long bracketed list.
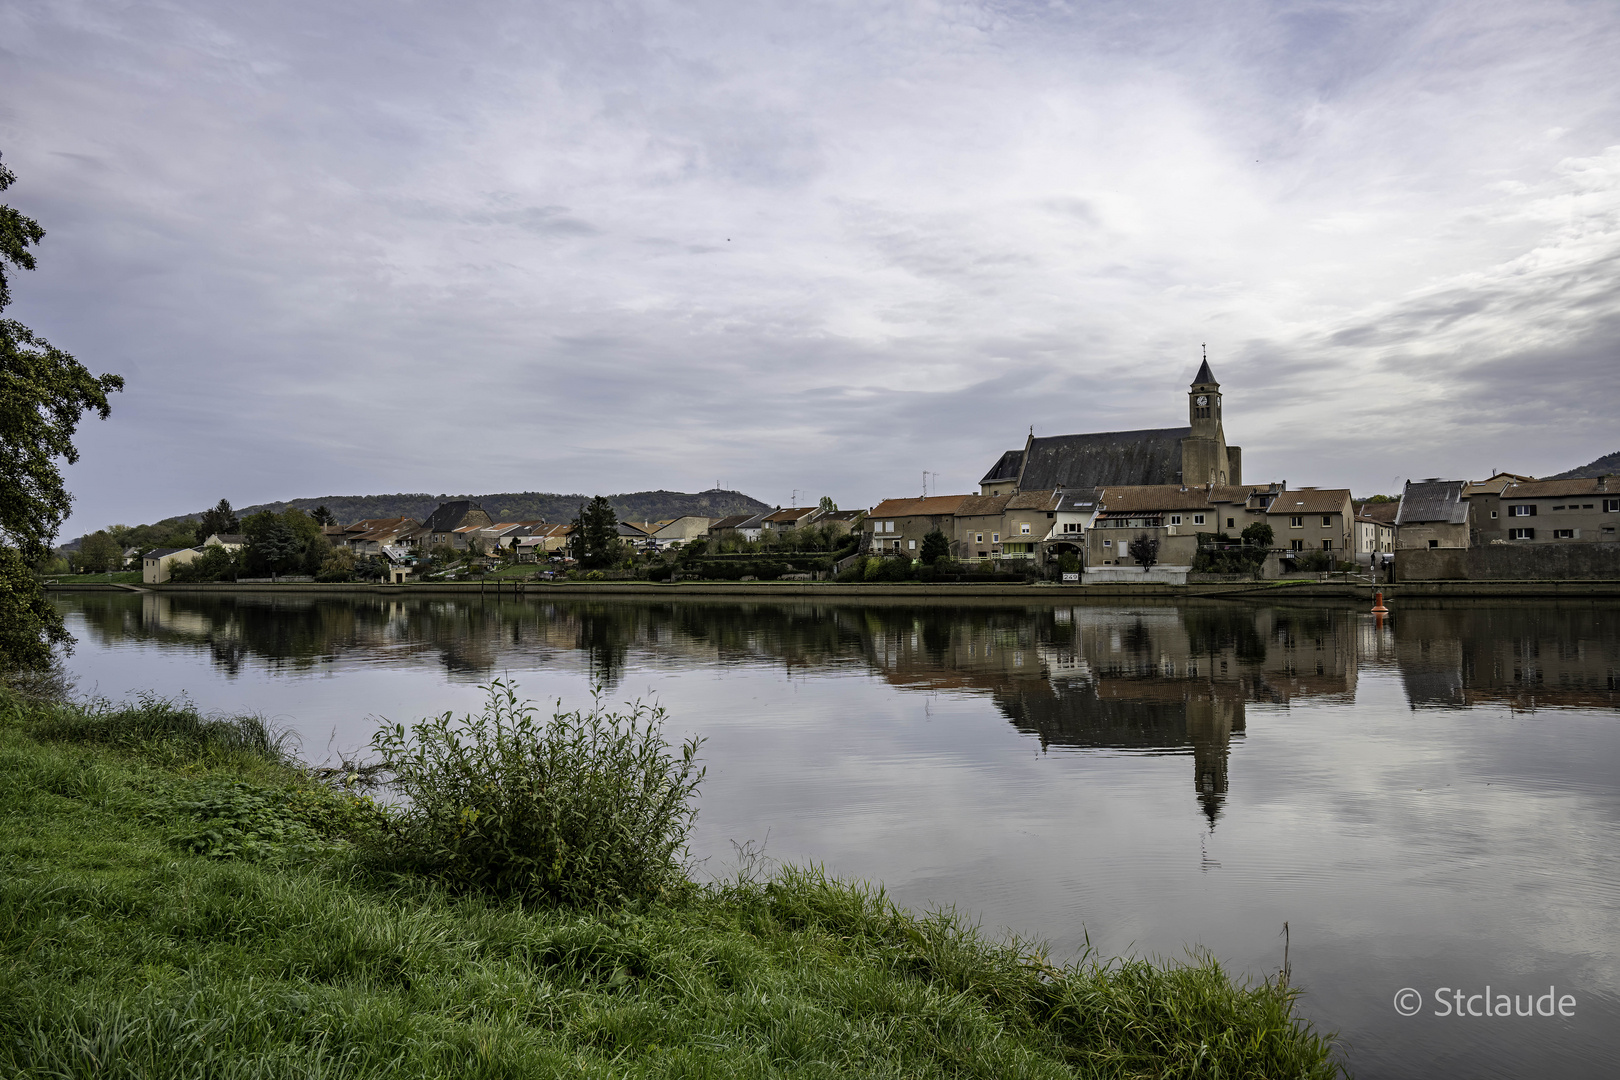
[(1429, 801)]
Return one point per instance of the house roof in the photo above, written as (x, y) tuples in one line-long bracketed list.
[(449, 515), (1152, 498), (158, 553), (1310, 501), (1033, 500), (1005, 468), (1433, 500), (1083, 501), (983, 505), (1559, 489), (1384, 511), (1102, 459), (791, 513), (842, 515), (634, 530), (230, 538), (933, 504), (367, 525), (730, 522)]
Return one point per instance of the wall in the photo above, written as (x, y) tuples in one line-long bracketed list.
[(1510, 562)]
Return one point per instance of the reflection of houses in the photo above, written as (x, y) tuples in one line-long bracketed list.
[(1526, 656)]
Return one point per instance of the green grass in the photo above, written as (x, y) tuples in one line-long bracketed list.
[(179, 900), (121, 577)]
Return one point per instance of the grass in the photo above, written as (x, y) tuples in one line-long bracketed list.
[(120, 577), (178, 899)]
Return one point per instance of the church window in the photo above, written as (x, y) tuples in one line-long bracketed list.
[(1296, 522)]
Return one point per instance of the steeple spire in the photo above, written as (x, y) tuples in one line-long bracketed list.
[(1205, 377)]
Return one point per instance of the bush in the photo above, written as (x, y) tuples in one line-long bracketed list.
[(661, 572), (1314, 562), (583, 808)]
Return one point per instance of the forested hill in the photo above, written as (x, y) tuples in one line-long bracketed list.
[(1607, 465), (527, 505)]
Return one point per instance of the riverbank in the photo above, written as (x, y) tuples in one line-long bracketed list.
[(180, 900), (833, 592)]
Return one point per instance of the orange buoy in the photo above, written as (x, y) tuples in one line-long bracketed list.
[(1378, 604)]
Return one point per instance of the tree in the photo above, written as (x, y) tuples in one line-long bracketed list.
[(273, 544), (1258, 534), (827, 505), (1145, 550), (44, 392), (323, 516), (595, 539), (936, 546), (221, 519), (100, 553)]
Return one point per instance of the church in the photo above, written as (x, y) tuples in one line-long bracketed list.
[(1194, 455)]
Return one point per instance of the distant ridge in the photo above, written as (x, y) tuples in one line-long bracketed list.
[(523, 505), (1607, 465)]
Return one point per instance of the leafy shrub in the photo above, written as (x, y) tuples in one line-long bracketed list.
[(581, 808), (235, 820), (661, 572), (888, 569), (1315, 561)]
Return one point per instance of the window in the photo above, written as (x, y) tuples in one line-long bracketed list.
[(1296, 545), (1558, 508), (911, 544), (1434, 543), (896, 545), (1521, 534), (1585, 506), (1327, 520), (978, 538), (1108, 543), (1230, 523), (1024, 529), (1175, 519), (1296, 523), (1522, 510), (1611, 506), (1327, 545), (1198, 519), (1563, 534), (995, 538), (1493, 514)]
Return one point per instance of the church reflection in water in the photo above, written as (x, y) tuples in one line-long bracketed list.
[(1132, 678)]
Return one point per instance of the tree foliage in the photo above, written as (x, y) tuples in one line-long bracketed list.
[(935, 546), (595, 539), (1258, 534), (100, 553), (1144, 549), (43, 394), (221, 519)]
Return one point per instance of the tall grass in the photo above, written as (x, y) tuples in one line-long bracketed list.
[(164, 726), (582, 807), (131, 951)]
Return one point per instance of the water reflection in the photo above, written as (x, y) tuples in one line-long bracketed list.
[(1148, 679)]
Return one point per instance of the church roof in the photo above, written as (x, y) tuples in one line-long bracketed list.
[(1101, 459), (1005, 468), (1205, 376)]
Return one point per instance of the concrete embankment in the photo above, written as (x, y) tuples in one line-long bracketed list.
[(1261, 591)]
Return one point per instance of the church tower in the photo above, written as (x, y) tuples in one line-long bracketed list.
[(1205, 457)]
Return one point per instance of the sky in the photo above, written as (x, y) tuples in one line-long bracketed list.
[(812, 248)]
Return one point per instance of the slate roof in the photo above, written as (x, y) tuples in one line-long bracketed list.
[(449, 515), (158, 553), (1433, 500), (1205, 377), (1005, 468), (1102, 459), (731, 522), (1079, 501)]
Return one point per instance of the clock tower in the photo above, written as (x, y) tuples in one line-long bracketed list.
[(1205, 457)]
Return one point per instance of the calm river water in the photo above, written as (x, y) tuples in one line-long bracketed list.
[(1429, 803)]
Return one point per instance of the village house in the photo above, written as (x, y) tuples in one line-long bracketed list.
[(370, 536), (1582, 510), (899, 525), (1433, 514), (1313, 519), (749, 527), (792, 517), (1374, 536), (675, 532), (442, 525), (232, 542), (156, 564)]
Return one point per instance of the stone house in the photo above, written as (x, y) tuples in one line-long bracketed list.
[(899, 525), (792, 517), (1433, 514), (1374, 537), (682, 530)]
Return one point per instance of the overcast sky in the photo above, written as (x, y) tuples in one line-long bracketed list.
[(602, 247)]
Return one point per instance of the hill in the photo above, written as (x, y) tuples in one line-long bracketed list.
[(1607, 465), (526, 505)]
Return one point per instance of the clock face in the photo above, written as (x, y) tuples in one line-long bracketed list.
[(1203, 399)]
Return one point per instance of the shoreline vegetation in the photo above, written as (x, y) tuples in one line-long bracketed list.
[(179, 897)]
